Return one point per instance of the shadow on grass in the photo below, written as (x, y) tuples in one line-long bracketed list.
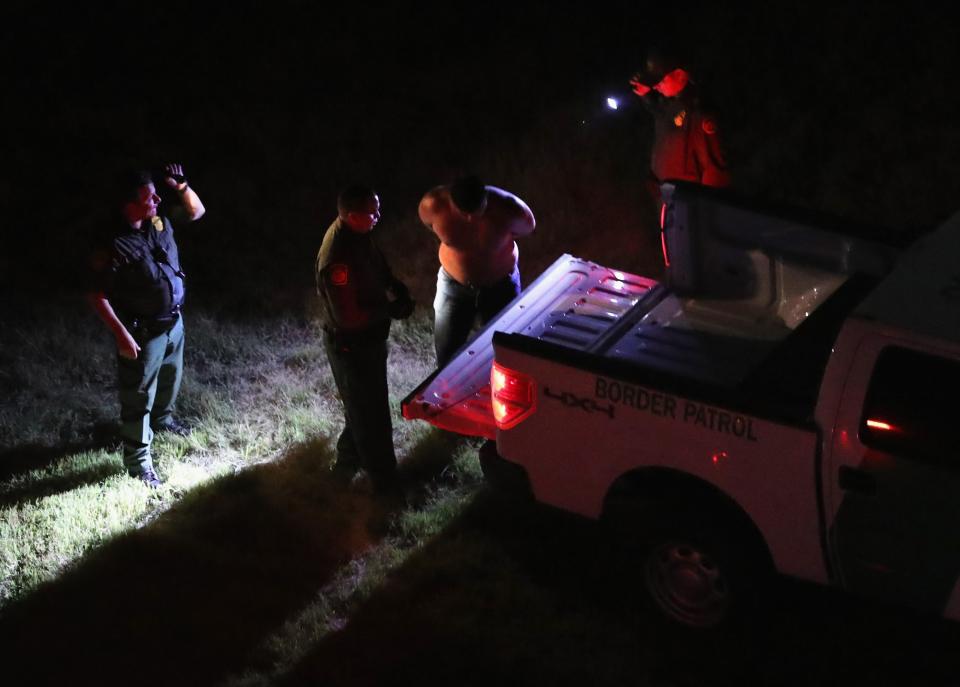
[(21, 459), (429, 459), (27, 458), (520, 595), (185, 599), (59, 484), (508, 594)]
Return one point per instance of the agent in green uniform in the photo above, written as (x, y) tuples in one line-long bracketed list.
[(359, 296), (138, 292)]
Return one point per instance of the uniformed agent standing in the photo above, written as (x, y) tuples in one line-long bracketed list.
[(138, 292), (359, 296), (686, 143)]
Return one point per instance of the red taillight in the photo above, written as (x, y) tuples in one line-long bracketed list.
[(512, 394), (879, 424)]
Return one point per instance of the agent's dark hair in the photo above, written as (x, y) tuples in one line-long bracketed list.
[(129, 183), (354, 198), (468, 193)]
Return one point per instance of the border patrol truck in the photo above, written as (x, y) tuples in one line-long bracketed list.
[(782, 401)]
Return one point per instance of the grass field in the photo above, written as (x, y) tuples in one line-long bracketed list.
[(246, 494)]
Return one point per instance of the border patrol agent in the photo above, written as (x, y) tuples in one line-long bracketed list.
[(138, 293), (359, 296), (686, 145)]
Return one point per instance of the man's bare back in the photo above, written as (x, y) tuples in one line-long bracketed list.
[(477, 249)]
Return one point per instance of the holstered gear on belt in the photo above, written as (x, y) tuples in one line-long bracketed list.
[(150, 326)]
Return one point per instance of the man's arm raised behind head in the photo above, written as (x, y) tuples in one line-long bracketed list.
[(429, 208), (522, 221)]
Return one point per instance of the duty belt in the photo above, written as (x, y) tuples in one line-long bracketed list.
[(158, 324)]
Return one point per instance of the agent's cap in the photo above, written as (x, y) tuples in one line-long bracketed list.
[(656, 64), (127, 184)]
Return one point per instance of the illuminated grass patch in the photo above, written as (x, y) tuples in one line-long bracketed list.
[(252, 394)]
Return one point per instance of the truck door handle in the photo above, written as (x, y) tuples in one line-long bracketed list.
[(854, 479)]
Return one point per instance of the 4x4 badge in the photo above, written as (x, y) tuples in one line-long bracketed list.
[(586, 404)]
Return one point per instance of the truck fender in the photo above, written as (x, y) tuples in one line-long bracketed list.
[(645, 490)]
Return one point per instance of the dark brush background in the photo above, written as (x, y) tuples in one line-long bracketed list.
[(841, 108)]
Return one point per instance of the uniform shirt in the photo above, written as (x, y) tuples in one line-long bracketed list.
[(685, 143), (353, 279), (139, 271)]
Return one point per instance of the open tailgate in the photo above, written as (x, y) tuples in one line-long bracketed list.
[(573, 303)]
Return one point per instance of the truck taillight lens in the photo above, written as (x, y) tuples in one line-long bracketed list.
[(513, 395)]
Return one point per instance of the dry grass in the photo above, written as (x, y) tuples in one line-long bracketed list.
[(248, 517)]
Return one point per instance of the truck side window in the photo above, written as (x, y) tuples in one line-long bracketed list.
[(909, 409)]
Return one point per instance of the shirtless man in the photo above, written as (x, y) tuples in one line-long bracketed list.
[(476, 225)]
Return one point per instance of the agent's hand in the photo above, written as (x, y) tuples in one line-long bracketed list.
[(126, 346), (639, 87), (175, 177), (673, 83)]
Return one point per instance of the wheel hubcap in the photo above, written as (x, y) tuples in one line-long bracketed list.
[(687, 584)]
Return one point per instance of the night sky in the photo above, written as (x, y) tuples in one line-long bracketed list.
[(272, 107)]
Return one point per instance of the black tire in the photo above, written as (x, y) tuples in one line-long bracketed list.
[(506, 478), (696, 569)]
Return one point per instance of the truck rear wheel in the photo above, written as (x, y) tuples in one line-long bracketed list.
[(696, 568), (687, 581)]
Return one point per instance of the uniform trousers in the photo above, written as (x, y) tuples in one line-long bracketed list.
[(360, 372), (148, 388)]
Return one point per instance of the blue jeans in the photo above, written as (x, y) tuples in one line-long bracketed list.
[(457, 307), (148, 390)]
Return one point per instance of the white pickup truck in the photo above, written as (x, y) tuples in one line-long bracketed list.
[(784, 400)]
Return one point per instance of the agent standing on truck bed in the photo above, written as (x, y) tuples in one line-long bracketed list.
[(686, 143), (476, 225)]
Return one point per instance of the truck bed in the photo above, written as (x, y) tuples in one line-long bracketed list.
[(600, 313), (742, 286)]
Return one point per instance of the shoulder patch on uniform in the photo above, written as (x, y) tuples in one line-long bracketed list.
[(339, 274), (709, 126)]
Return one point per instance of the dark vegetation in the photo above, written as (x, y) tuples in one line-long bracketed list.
[(840, 110)]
